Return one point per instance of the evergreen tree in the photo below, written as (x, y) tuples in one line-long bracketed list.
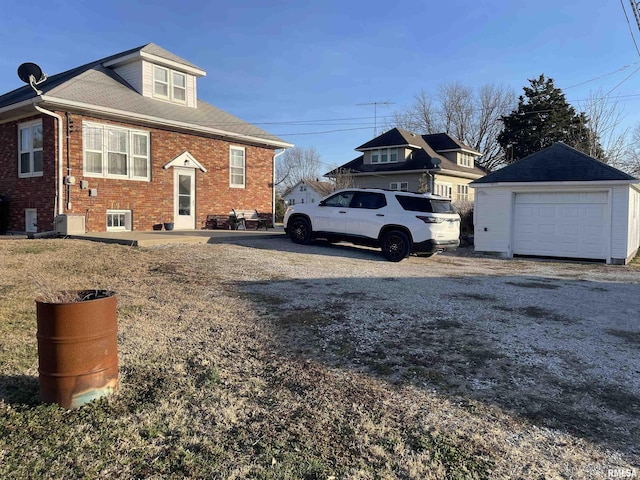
[(542, 118)]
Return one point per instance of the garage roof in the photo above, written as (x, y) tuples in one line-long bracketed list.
[(557, 163)]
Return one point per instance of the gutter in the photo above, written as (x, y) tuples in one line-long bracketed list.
[(58, 199), (187, 127)]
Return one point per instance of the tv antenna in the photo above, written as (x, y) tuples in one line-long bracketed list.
[(375, 113), (32, 74)]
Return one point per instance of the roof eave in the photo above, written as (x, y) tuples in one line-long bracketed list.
[(405, 145), (20, 109), (125, 115), (580, 183), (155, 59)]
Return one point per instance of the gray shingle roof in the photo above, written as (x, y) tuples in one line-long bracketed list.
[(154, 49), (421, 158), (94, 87), (557, 163)]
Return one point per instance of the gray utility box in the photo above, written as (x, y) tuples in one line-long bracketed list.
[(70, 224)]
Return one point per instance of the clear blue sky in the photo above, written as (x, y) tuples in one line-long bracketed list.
[(299, 69)]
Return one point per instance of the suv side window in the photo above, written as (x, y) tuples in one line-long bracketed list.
[(420, 204), (369, 200), (342, 199)]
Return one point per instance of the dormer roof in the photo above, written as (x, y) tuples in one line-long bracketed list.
[(96, 89), (156, 55)]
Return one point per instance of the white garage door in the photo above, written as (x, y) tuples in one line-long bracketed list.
[(562, 224)]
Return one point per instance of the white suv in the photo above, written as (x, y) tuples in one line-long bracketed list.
[(398, 222)]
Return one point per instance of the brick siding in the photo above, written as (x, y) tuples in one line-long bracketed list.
[(150, 202)]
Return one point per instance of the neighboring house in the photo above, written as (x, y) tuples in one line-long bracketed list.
[(124, 143), (307, 191), (558, 202), (401, 160)]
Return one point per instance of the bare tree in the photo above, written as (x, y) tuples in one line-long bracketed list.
[(297, 164), (419, 117), (473, 117), (606, 141), (343, 178), (630, 162)]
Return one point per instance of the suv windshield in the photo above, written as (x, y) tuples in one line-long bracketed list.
[(423, 204)]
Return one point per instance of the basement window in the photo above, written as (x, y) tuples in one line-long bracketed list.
[(118, 220)]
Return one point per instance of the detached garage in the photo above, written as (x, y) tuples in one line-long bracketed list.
[(558, 202)]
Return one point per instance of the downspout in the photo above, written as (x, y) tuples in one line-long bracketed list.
[(59, 175), (273, 190)]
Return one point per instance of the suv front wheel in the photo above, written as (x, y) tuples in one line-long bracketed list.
[(395, 245), (300, 231)]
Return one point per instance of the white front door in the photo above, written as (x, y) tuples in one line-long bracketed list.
[(184, 181)]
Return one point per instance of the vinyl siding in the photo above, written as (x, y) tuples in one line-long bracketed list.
[(493, 211), (147, 76), (492, 219), (384, 181), (619, 221), (132, 74), (633, 231), (192, 98)]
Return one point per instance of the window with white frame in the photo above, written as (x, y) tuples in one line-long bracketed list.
[(30, 149), (443, 189), (237, 168), (169, 85), (402, 186), (118, 220), (384, 155), (463, 193), (115, 152), (465, 159)]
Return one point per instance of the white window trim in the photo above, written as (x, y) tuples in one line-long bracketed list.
[(244, 168), (31, 172), (463, 193), (443, 189), (127, 221), (465, 159), (387, 151), (399, 186), (170, 96), (105, 157)]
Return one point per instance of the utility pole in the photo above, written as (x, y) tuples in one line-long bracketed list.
[(636, 12), (375, 113)]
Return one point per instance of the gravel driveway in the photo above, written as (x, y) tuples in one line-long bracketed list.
[(555, 342)]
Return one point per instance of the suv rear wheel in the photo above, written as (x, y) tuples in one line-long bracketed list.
[(395, 245), (300, 231)]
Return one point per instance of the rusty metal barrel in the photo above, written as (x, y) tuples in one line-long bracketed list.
[(78, 348)]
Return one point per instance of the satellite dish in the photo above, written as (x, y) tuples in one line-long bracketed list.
[(32, 74), (436, 161)]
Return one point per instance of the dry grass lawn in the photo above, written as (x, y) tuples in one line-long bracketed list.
[(215, 383)]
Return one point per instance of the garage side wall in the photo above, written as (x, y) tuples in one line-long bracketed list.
[(492, 219), (634, 222)]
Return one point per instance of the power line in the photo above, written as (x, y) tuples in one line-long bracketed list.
[(601, 76), (634, 7), (375, 113)]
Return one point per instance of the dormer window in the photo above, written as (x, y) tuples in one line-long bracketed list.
[(465, 159), (169, 85), (384, 155)]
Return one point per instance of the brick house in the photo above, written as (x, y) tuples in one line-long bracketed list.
[(124, 143)]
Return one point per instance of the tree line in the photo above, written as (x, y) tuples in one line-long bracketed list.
[(505, 128)]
